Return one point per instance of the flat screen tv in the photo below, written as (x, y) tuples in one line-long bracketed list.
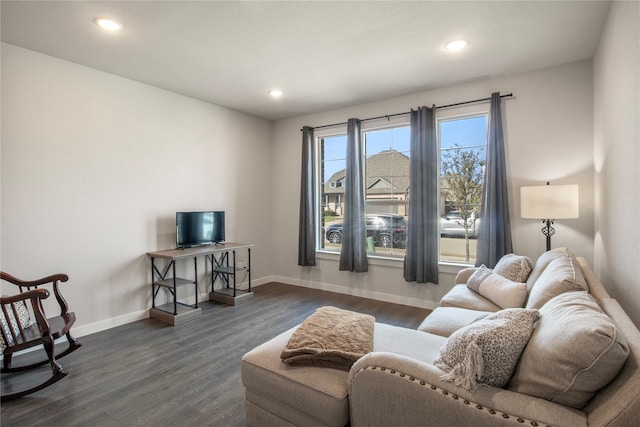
[(199, 228)]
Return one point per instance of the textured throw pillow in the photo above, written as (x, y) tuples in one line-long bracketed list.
[(487, 351), (574, 351), (562, 274), (514, 267), (498, 289), (23, 317)]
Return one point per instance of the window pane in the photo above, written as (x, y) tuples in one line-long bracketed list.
[(386, 187), (332, 170), (462, 159)]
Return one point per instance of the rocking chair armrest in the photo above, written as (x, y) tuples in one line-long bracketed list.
[(33, 294)]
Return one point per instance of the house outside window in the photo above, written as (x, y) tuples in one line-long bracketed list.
[(462, 143)]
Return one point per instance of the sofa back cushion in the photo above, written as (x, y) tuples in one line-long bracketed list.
[(575, 350), (498, 289), (543, 261), (561, 274)]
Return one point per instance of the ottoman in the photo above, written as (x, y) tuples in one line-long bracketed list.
[(278, 394)]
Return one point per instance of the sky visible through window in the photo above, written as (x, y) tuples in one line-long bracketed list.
[(461, 131), (464, 132)]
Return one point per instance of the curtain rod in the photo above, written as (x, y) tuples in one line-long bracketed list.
[(388, 116)]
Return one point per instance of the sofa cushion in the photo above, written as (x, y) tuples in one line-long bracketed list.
[(575, 350), (407, 342), (543, 261), (488, 350), (514, 267), (444, 321), (463, 297), (562, 274), (498, 289), (462, 276)]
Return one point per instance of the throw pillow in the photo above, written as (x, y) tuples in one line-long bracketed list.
[(487, 351), (575, 350), (23, 318), (514, 267), (498, 289), (562, 274)]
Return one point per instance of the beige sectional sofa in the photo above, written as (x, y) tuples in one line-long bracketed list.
[(578, 367)]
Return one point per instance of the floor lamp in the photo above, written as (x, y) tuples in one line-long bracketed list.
[(548, 203)]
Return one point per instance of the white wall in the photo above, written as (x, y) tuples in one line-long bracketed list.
[(95, 166), (549, 136), (617, 155)]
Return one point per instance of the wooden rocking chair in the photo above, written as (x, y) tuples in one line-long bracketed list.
[(20, 331)]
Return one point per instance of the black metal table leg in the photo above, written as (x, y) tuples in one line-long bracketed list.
[(153, 280)]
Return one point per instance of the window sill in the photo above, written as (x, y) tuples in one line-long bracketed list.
[(444, 267)]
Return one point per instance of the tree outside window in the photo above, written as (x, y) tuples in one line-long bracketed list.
[(462, 159)]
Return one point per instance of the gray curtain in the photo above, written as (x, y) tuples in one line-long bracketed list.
[(421, 258), (353, 254), (494, 232), (307, 232)]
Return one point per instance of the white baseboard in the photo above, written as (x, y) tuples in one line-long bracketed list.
[(378, 296), (92, 328), (113, 322)]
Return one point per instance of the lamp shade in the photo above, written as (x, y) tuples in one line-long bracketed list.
[(549, 202)]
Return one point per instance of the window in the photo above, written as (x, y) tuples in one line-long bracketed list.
[(386, 188), (462, 147), (462, 157)]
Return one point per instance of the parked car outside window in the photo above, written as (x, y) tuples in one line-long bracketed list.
[(387, 230), (452, 225)]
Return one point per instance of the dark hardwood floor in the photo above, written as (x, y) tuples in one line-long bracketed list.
[(147, 373)]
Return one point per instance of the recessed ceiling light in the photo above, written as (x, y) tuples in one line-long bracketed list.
[(108, 24), (276, 93), (456, 45)]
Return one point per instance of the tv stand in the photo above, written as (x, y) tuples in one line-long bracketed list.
[(224, 269)]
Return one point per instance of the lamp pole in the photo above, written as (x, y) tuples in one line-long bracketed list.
[(548, 231)]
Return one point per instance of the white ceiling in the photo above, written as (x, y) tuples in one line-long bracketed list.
[(322, 54)]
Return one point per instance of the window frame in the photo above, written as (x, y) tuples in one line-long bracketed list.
[(455, 113), (397, 122)]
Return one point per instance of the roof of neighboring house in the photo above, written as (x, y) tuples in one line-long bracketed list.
[(386, 172)]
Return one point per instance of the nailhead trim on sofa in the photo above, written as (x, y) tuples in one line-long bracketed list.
[(455, 397)]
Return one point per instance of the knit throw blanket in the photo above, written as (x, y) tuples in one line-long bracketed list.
[(330, 337)]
